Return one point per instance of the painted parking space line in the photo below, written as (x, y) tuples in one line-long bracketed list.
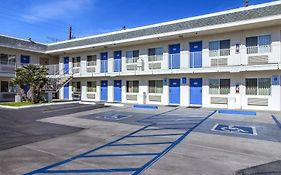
[(153, 156), (278, 123)]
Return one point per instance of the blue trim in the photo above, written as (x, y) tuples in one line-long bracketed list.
[(157, 115), (90, 171), (276, 121), (155, 159), (120, 155), (146, 106), (225, 111)]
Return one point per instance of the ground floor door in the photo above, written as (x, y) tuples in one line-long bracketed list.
[(103, 93), (174, 90), (117, 90), (196, 91), (66, 91)]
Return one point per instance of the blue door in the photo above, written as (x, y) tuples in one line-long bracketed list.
[(24, 59), (117, 90), (117, 61), (66, 91), (66, 65), (196, 54), (103, 96), (174, 56), (196, 91), (104, 57), (174, 85)]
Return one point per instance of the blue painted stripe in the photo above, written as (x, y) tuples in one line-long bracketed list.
[(225, 111), (158, 114), (138, 144), (120, 155), (276, 121), (158, 135), (155, 159), (90, 171), (158, 129), (146, 106)]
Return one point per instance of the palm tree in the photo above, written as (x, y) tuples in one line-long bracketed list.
[(34, 76)]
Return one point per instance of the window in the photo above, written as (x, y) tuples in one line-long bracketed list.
[(219, 48), (132, 86), (155, 54), (76, 87), (155, 86), (91, 86), (132, 56), (76, 61), (91, 60), (258, 86), (219, 86), (258, 44), (7, 59), (4, 86)]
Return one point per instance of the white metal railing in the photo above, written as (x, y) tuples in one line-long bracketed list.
[(259, 49), (132, 60), (104, 66), (195, 59), (91, 63), (117, 65), (53, 69), (153, 58), (174, 61), (76, 65)]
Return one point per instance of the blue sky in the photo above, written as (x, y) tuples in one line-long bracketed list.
[(46, 20)]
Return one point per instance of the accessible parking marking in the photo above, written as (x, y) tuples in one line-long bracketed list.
[(235, 129), (163, 141)]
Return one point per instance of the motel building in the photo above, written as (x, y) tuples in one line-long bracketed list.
[(229, 59)]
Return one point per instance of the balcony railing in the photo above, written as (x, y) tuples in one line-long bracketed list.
[(259, 49), (195, 59)]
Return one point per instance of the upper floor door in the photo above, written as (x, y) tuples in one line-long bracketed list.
[(174, 56), (104, 62), (195, 54), (24, 59), (117, 61), (66, 65)]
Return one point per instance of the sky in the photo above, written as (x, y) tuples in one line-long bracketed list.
[(48, 20)]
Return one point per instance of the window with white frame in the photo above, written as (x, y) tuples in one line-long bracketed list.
[(219, 48), (76, 87), (91, 60), (7, 59), (76, 61), (132, 86), (219, 86), (258, 44), (155, 54), (132, 56), (91, 86), (155, 86), (258, 86)]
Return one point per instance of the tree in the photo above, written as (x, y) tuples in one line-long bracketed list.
[(33, 76)]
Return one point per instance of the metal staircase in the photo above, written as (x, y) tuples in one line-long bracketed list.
[(57, 80)]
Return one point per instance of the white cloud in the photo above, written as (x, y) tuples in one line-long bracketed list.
[(53, 10)]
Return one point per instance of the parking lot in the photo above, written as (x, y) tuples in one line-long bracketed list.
[(93, 139)]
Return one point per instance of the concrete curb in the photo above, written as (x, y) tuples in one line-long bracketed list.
[(37, 105)]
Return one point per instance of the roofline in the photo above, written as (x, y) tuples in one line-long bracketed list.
[(22, 39), (173, 22), (233, 24)]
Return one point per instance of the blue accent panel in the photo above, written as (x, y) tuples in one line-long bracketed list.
[(24, 59), (155, 159), (196, 91), (120, 155), (104, 62), (276, 121), (66, 65), (184, 80), (66, 91), (226, 111), (104, 90), (275, 80), (117, 90), (138, 144), (165, 81), (146, 106), (174, 56), (90, 171), (196, 54), (174, 96), (117, 61)]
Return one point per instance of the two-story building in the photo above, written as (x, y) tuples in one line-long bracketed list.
[(229, 59)]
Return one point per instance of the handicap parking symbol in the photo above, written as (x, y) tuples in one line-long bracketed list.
[(248, 130), (114, 117)]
